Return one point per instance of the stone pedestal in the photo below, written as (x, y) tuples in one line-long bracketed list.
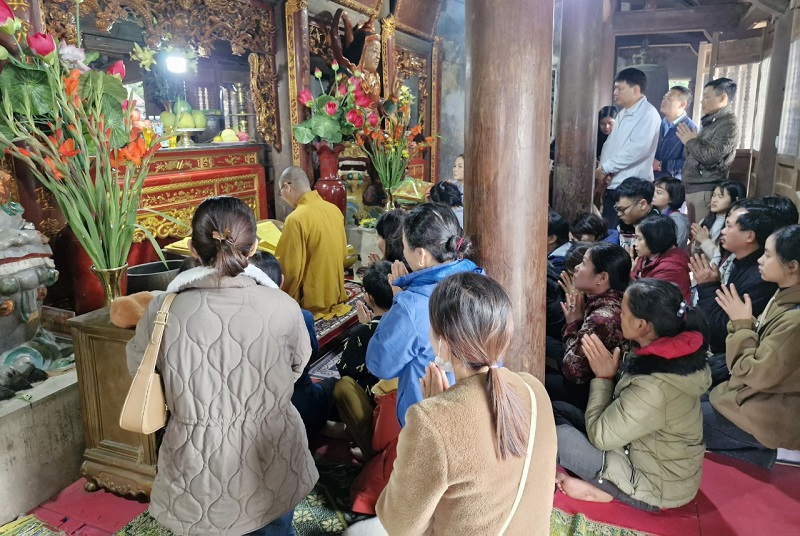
[(42, 444)]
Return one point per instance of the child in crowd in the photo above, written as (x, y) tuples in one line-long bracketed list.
[(390, 239), (706, 234), (353, 393), (446, 193), (592, 307), (641, 438), (312, 400), (588, 227), (658, 256), (756, 411), (557, 239), (669, 198)]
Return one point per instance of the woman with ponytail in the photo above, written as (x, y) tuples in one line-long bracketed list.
[(641, 439), (234, 458), (467, 460)]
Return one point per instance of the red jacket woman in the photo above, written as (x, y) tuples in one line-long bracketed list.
[(659, 257)]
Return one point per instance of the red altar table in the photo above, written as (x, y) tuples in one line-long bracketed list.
[(180, 179)]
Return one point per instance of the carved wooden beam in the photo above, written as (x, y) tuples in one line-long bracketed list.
[(701, 18), (773, 7)]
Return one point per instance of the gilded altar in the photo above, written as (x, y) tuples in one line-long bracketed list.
[(180, 179)]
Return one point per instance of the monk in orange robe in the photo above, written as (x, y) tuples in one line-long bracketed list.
[(312, 248)]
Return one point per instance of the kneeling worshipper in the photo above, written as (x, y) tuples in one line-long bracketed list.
[(312, 248)]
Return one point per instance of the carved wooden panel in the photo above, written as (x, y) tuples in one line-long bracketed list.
[(248, 26), (319, 40), (417, 18), (367, 7), (409, 64)]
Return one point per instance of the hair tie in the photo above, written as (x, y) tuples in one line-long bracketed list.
[(460, 241), (681, 309), (216, 235)]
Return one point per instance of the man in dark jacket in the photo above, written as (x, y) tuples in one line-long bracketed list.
[(710, 153), (670, 155), (744, 235)]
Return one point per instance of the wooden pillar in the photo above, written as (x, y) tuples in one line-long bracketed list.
[(578, 103), (299, 76), (776, 85), (608, 62), (509, 61)]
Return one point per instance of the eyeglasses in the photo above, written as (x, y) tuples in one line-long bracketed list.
[(621, 211)]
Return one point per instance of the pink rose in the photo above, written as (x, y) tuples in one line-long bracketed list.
[(305, 97), (373, 119), (356, 118), (8, 22), (118, 70), (342, 90), (362, 100), (43, 45), (330, 108)]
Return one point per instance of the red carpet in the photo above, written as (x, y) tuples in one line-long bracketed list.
[(79, 513), (735, 498)]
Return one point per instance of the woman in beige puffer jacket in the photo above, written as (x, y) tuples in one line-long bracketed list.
[(234, 458)]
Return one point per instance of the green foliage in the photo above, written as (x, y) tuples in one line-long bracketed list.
[(27, 90)]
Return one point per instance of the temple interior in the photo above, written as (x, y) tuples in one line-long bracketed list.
[(333, 122)]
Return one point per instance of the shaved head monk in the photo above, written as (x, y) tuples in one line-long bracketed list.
[(312, 248)]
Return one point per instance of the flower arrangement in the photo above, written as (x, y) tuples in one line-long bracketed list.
[(391, 146), (335, 114), (76, 131)]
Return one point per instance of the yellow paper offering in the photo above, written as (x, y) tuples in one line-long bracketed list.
[(269, 235), (266, 231)]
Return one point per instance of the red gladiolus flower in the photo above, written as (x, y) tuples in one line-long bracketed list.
[(305, 97), (118, 69), (43, 45), (330, 108), (56, 174), (7, 19), (373, 119), (67, 149), (71, 83), (23, 152)]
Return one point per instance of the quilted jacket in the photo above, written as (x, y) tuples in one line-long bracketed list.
[(650, 424), (234, 455), (709, 156)]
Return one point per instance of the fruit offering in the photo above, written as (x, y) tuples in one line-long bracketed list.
[(231, 136)]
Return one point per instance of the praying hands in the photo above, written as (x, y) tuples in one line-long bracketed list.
[(730, 302), (704, 271), (685, 133), (604, 364)]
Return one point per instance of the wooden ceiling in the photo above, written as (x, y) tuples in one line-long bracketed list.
[(707, 16)]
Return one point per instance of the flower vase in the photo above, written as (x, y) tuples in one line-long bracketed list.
[(113, 281), (389, 200), (329, 187)]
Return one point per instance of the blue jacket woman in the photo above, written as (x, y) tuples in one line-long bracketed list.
[(434, 247)]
